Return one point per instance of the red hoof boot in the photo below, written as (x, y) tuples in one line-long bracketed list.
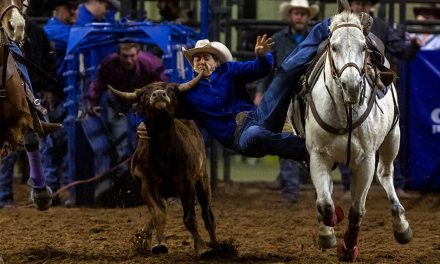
[(335, 218), (347, 255)]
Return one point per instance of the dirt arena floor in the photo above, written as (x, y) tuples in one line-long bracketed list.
[(263, 228)]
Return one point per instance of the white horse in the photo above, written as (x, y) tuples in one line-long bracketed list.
[(346, 122)]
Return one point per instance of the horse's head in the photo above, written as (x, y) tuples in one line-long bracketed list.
[(347, 55), (12, 19)]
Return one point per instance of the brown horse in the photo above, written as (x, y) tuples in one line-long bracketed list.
[(19, 121), (15, 114)]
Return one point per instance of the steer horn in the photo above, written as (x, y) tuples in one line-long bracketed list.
[(188, 85), (126, 96)]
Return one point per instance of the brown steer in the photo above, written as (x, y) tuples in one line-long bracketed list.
[(171, 162)]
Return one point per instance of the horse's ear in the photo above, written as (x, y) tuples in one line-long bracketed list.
[(366, 22), (343, 5)]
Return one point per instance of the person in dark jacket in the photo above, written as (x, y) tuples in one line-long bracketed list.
[(298, 13), (54, 146), (396, 48)]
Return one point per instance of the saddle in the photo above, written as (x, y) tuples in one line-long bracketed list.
[(376, 67), (37, 110), (376, 74)]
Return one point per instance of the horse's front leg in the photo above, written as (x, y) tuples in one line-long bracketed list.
[(360, 184), (320, 168)]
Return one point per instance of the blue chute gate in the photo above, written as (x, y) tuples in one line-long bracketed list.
[(88, 140)]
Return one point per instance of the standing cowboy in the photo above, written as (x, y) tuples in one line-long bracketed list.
[(298, 13)]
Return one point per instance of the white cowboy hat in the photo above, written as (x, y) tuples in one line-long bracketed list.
[(215, 48), (286, 7)]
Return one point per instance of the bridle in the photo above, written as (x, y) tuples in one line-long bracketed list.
[(9, 7), (336, 74)]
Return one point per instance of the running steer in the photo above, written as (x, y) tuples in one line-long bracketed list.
[(170, 160)]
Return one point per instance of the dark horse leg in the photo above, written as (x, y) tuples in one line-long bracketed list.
[(41, 194)]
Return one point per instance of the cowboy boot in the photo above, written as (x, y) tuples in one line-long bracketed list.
[(50, 127)]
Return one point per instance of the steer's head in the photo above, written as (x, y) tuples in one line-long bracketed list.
[(157, 97)]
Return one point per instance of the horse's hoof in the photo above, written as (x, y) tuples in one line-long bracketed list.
[(161, 248), (326, 242), (334, 218), (42, 198), (404, 237), (348, 255)]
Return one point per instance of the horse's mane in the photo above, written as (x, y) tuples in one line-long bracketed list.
[(344, 18)]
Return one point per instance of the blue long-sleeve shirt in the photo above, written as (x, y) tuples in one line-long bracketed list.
[(58, 33), (214, 103)]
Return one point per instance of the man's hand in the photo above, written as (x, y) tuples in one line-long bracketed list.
[(263, 45), (258, 97), (416, 42), (95, 110)]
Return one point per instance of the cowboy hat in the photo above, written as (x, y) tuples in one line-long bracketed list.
[(424, 10), (52, 4), (215, 48), (286, 7), (115, 4), (373, 2)]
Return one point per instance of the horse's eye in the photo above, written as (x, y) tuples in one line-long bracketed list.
[(364, 47), (334, 48)]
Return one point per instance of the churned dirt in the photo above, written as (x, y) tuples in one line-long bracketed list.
[(251, 217)]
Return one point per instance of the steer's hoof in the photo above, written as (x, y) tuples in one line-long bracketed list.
[(161, 248), (206, 253), (347, 255), (326, 242), (404, 237)]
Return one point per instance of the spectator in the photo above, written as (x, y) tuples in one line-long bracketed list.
[(430, 41), (298, 13), (97, 11), (127, 70), (220, 104), (58, 29), (54, 146), (170, 11), (102, 11)]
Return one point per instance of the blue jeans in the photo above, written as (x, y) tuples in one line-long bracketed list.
[(6, 177), (53, 154), (289, 179), (261, 132), (122, 133)]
